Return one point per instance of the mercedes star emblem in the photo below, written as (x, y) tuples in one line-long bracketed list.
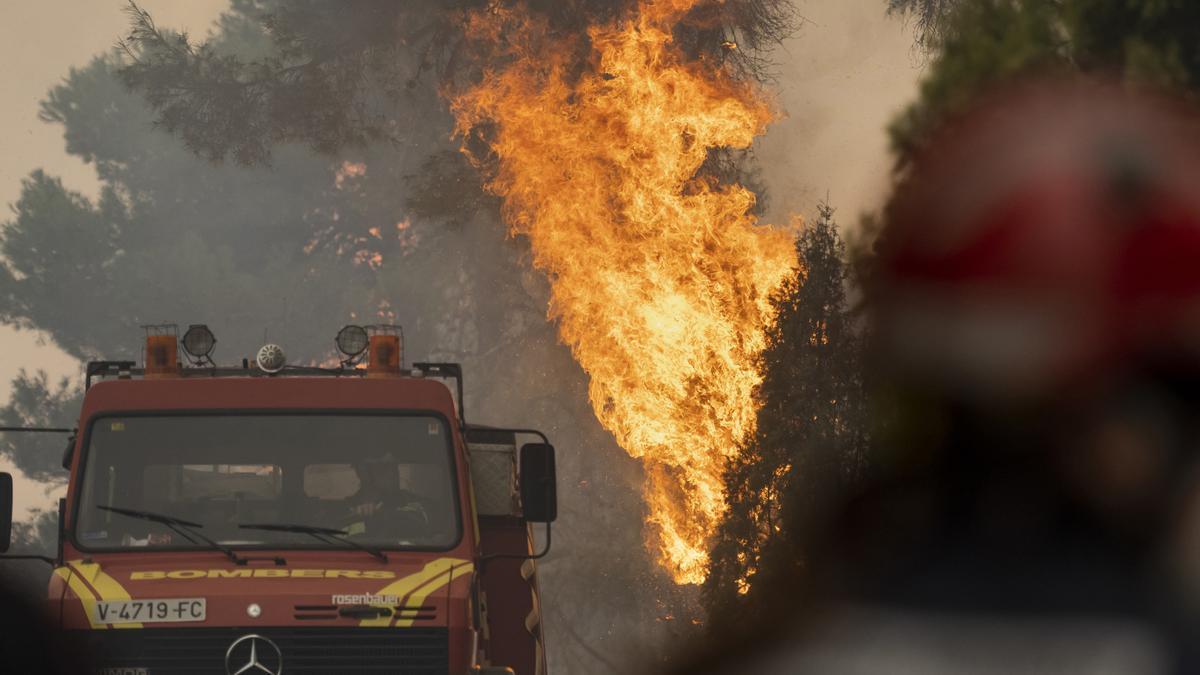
[(253, 654)]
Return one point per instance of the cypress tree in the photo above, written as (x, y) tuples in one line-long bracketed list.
[(810, 439)]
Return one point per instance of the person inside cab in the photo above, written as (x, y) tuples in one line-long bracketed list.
[(381, 506)]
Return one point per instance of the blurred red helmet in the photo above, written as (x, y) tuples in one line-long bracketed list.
[(1049, 234)]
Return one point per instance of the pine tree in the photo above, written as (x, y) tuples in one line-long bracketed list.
[(809, 444), (334, 79), (36, 402), (981, 44), (928, 15)]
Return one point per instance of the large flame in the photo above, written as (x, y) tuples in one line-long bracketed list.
[(660, 281)]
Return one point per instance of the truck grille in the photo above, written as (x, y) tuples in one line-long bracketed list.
[(334, 612), (313, 651)]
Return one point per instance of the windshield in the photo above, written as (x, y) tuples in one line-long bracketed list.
[(386, 481)]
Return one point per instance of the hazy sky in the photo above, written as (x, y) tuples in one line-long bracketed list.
[(841, 79)]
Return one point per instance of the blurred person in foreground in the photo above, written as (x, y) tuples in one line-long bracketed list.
[(1033, 504), (30, 640)]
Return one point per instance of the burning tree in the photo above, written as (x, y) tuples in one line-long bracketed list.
[(810, 443), (320, 88), (659, 279)]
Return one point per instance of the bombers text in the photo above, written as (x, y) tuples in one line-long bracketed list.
[(262, 574)]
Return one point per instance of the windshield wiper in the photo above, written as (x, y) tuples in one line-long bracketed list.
[(325, 534), (183, 527)]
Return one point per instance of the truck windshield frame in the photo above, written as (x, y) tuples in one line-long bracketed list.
[(296, 542)]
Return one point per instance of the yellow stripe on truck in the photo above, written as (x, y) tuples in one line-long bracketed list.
[(402, 587), (106, 588), (82, 592), (418, 596)]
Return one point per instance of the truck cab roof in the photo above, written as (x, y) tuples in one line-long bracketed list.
[(268, 393)]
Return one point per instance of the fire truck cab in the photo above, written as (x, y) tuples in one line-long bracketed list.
[(270, 518)]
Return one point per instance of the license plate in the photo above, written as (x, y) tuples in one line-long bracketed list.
[(148, 611)]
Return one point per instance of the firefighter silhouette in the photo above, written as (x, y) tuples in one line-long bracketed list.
[(382, 506)]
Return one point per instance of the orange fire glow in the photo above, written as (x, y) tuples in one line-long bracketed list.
[(660, 281)]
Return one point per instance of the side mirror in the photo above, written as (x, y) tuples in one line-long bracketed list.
[(6, 511), (539, 494), (68, 453)]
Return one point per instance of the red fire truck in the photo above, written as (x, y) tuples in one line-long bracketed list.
[(271, 518)]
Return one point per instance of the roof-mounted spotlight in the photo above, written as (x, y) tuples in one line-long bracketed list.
[(198, 342), (352, 342)]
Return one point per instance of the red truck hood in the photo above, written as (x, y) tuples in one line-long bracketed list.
[(418, 589)]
